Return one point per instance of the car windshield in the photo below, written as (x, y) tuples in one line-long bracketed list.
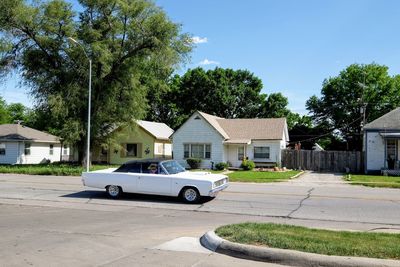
[(172, 167)]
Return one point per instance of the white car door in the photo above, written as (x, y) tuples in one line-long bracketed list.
[(127, 178), (153, 183)]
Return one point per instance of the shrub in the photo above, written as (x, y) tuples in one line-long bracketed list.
[(247, 165), (221, 166), (194, 163)]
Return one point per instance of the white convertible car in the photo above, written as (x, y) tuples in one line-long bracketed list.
[(156, 177)]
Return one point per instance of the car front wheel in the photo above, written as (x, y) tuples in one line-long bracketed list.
[(114, 191), (190, 195)]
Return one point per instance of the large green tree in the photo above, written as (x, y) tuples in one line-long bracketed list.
[(133, 45), (344, 97), (222, 92)]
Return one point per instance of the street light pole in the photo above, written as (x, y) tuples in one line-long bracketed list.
[(89, 108), (89, 103)]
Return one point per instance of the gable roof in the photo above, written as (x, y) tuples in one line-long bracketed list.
[(157, 129), (244, 130), (389, 121), (266, 129), (213, 120), (17, 132)]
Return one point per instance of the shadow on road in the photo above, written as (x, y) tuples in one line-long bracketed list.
[(93, 194)]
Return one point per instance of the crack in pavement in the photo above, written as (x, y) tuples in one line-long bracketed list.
[(301, 203)]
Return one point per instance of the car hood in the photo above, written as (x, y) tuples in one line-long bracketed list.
[(200, 176)]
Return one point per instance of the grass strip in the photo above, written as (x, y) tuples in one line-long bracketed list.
[(340, 243), (261, 177), (373, 180), (50, 169)]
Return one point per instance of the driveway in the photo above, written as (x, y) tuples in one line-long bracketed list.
[(309, 178)]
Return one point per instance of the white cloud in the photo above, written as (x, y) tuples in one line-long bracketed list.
[(208, 62), (199, 40)]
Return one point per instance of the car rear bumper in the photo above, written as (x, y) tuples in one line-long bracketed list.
[(216, 190)]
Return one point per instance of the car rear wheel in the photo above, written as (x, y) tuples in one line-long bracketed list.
[(190, 195), (114, 191)]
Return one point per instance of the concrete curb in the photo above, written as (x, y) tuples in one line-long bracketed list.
[(288, 257), (297, 175)]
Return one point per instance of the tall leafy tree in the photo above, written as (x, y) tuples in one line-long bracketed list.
[(4, 114), (133, 45), (343, 98), (222, 92)]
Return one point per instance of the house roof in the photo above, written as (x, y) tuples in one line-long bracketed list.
[(17, 132), (156, 129), (242, 130), (389, 121)]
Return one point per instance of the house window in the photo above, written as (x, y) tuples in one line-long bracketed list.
[(51, 151), (201, 151), (159, 149), (65, 150), (2, 148), (391, 149), (240, 153), (208, 152), (186, 149), (131, 150), (261, 152), (27, 149)]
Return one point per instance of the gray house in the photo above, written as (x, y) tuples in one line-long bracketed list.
[(23, 145), (381, 143)]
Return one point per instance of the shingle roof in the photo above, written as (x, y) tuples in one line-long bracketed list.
[(389, 121), (213, 120), (17, 132), (246, 129), (157, 129)]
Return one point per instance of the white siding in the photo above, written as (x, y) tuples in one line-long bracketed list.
[(375, 151), (200, 132), (40, 153), (11, 156), (274, 150)]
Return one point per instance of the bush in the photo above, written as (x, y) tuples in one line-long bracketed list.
[(221, 166), (194, 163), (247, 165)]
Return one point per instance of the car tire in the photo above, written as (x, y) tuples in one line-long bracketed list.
[(114, 191), (190, 195)]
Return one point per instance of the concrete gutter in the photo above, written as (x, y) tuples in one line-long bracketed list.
[(288, 257)]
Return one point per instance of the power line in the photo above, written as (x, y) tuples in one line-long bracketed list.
[(322, 135)]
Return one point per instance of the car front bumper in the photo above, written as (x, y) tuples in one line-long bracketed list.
[(216, 190)]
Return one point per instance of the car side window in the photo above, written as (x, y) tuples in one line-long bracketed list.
[(134, 167)]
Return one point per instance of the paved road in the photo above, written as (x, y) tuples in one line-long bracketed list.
[(47, 219)]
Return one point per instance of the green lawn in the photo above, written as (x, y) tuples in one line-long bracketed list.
[(50, 169), (260, 177), (374, 180), (342, 243)]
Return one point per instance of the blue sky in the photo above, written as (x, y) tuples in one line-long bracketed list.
[(291, 45)]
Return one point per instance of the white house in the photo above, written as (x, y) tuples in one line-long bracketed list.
[(23, 145), (215, 139), (381, 143)]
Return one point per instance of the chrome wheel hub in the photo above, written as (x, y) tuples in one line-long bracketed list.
[(113, 190), (190, 194)]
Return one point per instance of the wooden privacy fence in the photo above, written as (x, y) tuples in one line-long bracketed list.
[(323, 161)]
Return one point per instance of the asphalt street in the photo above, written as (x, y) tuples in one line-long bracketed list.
[(55, 221)]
